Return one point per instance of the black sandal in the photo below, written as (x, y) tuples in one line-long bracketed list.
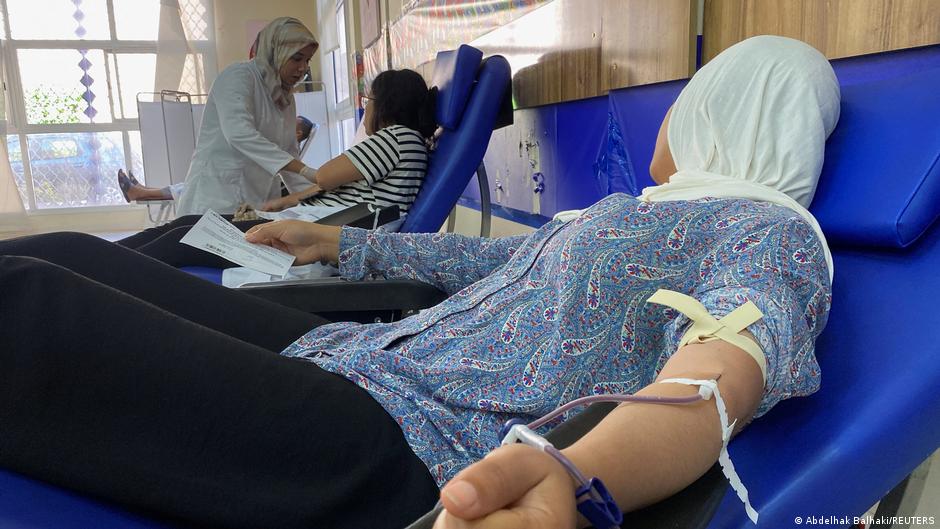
[(125, 184)]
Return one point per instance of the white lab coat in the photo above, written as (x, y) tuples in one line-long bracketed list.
[(244, 140)]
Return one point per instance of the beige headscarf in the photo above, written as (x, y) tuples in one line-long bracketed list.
[(279, 40), (753, 124)]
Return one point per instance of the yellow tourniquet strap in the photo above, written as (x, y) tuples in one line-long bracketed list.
[(706, 328)]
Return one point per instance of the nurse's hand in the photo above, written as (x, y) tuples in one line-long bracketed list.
[(516, 487), (308, 241)]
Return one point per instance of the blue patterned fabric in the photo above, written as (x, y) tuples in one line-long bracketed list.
[(536, 321)]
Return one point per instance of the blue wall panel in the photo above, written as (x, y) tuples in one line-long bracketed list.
[(867, 68), (562, 142), (583, 149), (638, 112), (581, 130)]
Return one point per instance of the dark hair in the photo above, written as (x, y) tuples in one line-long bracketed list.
[(305, 127), (401, 97)]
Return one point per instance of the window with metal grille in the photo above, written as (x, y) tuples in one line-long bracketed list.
[(73, 73)]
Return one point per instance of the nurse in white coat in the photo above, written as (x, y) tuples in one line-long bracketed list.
[(248, 133)]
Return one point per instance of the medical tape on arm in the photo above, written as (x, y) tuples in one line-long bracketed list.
[(706, 328), (709, 388)]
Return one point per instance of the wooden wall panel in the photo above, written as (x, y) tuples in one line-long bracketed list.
[(838, 28), (575, 49), (647, 41)]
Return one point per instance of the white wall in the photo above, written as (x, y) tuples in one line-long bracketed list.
[(235, 19), (95, 220)]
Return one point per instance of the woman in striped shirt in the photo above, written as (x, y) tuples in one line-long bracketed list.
[(387, 168)]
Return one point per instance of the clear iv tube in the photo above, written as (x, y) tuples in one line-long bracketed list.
[(611, 398)]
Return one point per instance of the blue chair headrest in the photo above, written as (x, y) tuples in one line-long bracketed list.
[(880, 184), (454, 72), (460, 150)]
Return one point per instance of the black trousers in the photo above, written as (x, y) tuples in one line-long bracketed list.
[(126, 379), (163, 243)]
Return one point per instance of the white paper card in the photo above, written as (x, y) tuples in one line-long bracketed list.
[(301, 212), (218, 236)]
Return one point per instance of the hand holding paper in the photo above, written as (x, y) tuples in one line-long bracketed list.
[(216, 235), (308, 241)]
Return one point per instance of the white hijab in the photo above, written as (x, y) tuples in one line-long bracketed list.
[(279, 40), (753, 124)]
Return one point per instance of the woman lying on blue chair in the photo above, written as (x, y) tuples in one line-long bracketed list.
[(222, 416)]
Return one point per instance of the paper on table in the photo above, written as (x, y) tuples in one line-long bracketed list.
[(218, 236)]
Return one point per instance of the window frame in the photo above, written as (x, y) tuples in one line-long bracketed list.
[(339, 111), (17, 123)]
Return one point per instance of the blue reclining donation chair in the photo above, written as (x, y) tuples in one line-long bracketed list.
[(877, 415)]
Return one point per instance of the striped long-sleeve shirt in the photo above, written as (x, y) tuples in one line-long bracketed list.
[(393, 162)]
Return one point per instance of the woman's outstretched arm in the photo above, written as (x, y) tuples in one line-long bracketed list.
[(448, 261), (445, 260), (642, 452)]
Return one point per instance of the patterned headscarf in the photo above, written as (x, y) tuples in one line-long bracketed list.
[(279, 40)]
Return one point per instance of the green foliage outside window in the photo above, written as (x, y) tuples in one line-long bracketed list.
[(50, 105)]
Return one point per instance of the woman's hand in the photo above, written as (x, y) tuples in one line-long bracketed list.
[(514, 487), (308, 241)]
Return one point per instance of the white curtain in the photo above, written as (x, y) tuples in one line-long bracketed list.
[(173, 51), (12, 213), (326, 13)]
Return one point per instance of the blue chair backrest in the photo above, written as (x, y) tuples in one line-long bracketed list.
[(877, 414), (454, 74), (880, 185), (470, 98)]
